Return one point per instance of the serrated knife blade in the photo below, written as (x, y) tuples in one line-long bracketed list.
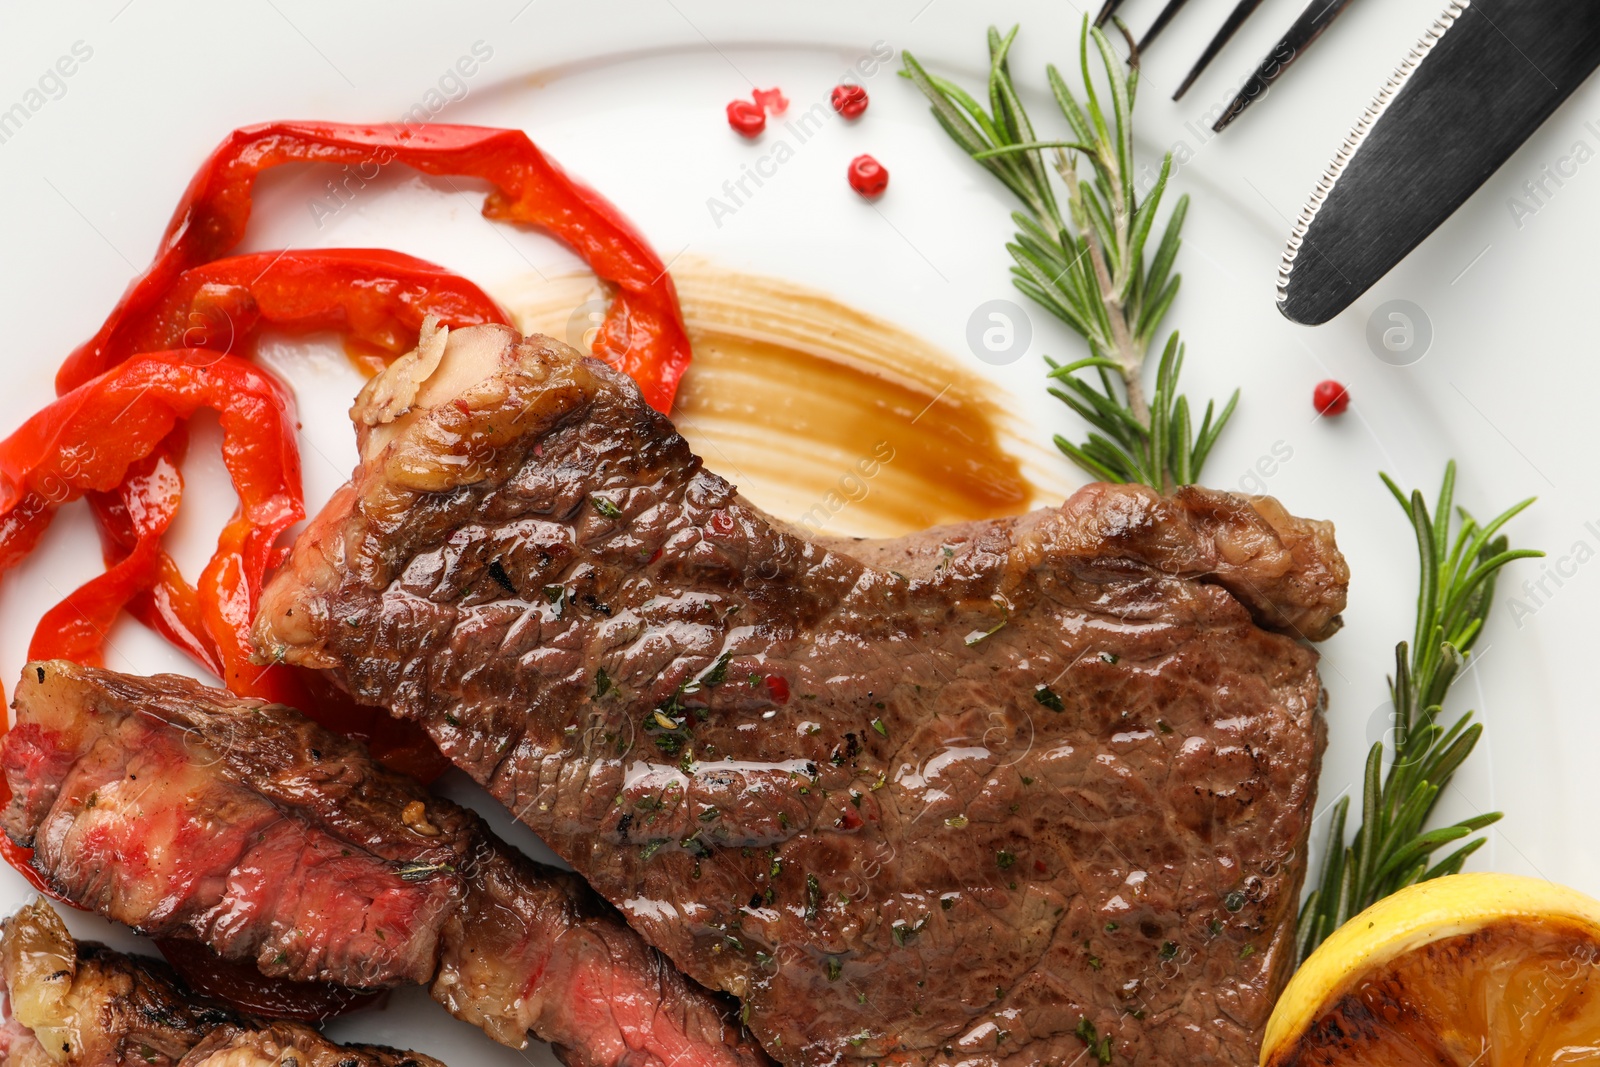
[(1487, 74)]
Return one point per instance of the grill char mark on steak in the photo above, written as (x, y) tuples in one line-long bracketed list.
[(185, 812), (98, 1008), (965, 796)]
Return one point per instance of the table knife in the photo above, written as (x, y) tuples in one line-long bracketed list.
[(1486, 75)]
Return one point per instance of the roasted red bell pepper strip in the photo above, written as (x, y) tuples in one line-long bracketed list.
[(210, 628), (21, 859), (117, 437), (370, 295), (374, 296), (76, 628), (170, 606), (173, 608), (377, 297), (643, 334), (89, 438)]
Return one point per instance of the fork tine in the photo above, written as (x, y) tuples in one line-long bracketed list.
[(1167, 13), (1236, 17), (1311, 24), (1107, 11)]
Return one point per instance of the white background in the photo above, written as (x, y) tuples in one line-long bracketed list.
[(630, 97)]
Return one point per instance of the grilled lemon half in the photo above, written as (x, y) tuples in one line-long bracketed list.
[(1488, 970)]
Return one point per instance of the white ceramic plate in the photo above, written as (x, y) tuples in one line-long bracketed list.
[(630, 98)]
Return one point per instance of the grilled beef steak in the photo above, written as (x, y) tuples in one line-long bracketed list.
[(83, 1005), (1008, 792), (281, 1044), (186, 812), (86, 1005)]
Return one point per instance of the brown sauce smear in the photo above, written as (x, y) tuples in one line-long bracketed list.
[(821, 414)]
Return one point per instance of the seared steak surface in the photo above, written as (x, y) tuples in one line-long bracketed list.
[(72, 1004), (186, 812), (281, 1044), (1009, 792), (85, 1005)]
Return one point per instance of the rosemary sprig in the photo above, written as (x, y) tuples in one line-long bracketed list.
[(1390, 849), (1089, 268)]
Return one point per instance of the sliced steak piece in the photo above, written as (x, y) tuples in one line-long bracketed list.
[(1007, 792), (86, 1005), (280, 1044), (73, 1004), (185, 812)]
